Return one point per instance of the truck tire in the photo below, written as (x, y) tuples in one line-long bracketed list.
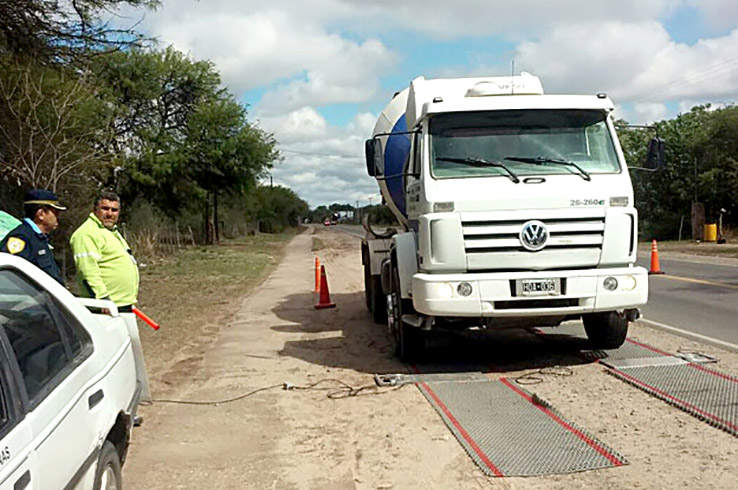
[(606, 330), (368, 287), (409, 342), (379, 301), (108, 473)]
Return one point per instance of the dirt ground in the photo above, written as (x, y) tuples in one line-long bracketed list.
[(304, 439)]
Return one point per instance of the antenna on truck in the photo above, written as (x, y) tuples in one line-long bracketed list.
[(512, 77)]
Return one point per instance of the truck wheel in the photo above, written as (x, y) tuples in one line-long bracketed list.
[(108, 474), (379, 300), (409, 342), (368, 287), (606, 330)]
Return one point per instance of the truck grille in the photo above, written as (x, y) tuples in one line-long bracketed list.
[(574, 242)]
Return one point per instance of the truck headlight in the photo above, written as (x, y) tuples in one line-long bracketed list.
[(464, 289), (610, 283), (629, 283)]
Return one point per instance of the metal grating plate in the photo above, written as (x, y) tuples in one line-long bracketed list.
[(707, 394), (629, 350), (508, 431)]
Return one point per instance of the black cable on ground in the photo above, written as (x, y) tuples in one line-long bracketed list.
[(343, 390), (229, 400)]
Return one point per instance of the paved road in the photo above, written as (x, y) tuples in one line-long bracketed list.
[(698, 297)]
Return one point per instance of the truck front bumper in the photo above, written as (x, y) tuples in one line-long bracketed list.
[(495, 295)]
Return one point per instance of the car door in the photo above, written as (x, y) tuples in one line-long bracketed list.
[(49, 351), (17, 458)]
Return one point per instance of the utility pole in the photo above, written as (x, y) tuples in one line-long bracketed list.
[(698, 212)]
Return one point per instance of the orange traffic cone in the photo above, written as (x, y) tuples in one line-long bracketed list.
[(325, 295), (655, 268), (317, 274)]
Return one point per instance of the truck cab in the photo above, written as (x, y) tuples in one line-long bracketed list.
[(516, 210)]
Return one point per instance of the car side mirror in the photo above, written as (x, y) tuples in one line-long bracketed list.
[(373, 151), (655, 160)]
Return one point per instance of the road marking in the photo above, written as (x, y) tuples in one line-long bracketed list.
[(699, 281), (690, 335)]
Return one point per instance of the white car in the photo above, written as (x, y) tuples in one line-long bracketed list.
[(68, 390)]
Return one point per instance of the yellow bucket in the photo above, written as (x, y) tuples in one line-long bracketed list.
[(711, 232)]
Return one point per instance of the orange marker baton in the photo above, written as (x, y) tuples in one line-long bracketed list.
[(151, 323)]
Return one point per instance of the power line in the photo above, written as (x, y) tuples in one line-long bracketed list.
[(316, 154), (689, 79)]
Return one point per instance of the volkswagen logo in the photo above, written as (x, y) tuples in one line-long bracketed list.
[(534, 235)]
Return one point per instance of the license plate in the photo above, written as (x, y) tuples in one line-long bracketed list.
[(539, 287)]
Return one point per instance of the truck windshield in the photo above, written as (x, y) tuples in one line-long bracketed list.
[(523, 139)]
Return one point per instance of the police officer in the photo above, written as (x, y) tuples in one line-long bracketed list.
[(30, 239)]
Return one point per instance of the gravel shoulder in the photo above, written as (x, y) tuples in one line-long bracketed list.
[(304, 439)]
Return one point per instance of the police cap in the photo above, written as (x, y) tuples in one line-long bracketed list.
[(43, 197)]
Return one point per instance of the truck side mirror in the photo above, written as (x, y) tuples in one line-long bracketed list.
[(656, 154), (373, 151)]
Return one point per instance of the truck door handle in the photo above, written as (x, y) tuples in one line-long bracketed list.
[(95, 398), (23, 481)]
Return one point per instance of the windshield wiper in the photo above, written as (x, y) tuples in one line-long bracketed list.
[(479, 162), (556, 161)]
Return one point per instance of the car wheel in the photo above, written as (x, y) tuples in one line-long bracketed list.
[(606, 330), (108, 475)]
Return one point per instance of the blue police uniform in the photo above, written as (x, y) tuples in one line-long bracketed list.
[(27, 241)]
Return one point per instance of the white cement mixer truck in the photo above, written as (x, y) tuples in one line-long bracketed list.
[(515, 209)]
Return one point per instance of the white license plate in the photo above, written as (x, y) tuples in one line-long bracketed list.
[(539, 287)]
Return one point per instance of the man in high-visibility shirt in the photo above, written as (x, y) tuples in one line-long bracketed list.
[(106, 269)]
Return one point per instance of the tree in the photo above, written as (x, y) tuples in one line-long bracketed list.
[(63, 31), (54, 125), (701, 166), (276, 208), (184, 140)]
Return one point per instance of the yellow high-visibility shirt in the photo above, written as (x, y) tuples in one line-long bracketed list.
[(106, 267)]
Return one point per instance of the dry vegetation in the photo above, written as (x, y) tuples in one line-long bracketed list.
[(192, 294)]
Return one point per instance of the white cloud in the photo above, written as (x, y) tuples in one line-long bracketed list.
[(722, 14), (301, 125), (643, 113), (328, 168), (255, 46), (341, 72), (443, 19), (631, 62)]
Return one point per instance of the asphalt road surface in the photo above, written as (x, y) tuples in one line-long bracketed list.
[(701, 298)]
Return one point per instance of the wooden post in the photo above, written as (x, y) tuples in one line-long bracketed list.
[(698, 221), (215, 217)]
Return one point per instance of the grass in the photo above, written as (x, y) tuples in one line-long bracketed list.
[(194, 293), (689, 247), (317, 244)]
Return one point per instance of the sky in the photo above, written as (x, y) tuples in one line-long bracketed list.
[(316, 73)]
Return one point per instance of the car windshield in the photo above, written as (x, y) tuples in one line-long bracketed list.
[(530, 142)]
